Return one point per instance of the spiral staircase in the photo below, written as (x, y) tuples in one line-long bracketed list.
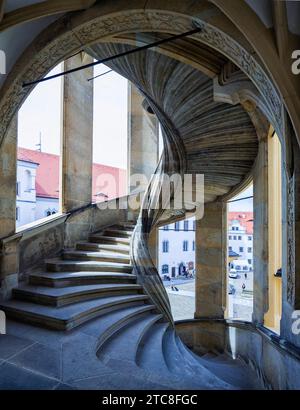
[(105, 295), (93, 290)]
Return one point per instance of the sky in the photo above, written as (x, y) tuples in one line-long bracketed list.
[(245, 205), (41, 114)]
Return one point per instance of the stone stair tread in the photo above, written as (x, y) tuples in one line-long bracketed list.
[(109, 238), (114, 322), (127, 225), (64, 315), (221, 358), (124, 345), (196, 366), (233, 372), (208, 356), (72, 290), (151, 351), (102, 246), (81, 265), (189, 374), (82, 274), (77, 253), (80, 262), (179, 370), (118, 231)]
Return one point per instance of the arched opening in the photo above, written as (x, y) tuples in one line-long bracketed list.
[(39, 153), (110, 135), (240, 264), (176, 266)]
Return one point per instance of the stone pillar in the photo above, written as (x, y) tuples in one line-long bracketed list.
[(291, 247), (273, 316), (153, 245), (77, 138), (142, 136), (9, 261), (260, 233), (211, 261), (8, 179)]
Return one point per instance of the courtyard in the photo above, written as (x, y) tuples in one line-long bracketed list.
[(240, 304)]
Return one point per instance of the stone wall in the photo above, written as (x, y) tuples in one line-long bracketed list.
[(276, 361)]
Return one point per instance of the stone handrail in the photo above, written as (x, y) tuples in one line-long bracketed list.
[(32, 243)]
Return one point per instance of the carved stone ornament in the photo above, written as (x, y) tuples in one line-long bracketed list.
[(291, 241), (48, 50)]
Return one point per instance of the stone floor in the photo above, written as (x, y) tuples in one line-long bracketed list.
[(36, 358), (33, 358)]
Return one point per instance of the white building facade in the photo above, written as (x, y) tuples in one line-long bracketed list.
[(26, 194), (29, 206), (177, 249), (240, 241)]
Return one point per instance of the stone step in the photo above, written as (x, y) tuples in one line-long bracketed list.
[(95, 256), (71, 294), (107, 248), (208, 356), (113, 322), (62, 279), (100, 238), (129, 226), (123, 345), (160, 357), (150, 355), (194, 366), (117, 232), (172, 354), (220, 359), (178, 361), (233, 372), (68, 317), (59, 265)]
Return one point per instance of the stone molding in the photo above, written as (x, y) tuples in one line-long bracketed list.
[(49, 49)]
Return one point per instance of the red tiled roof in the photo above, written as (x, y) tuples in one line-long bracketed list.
[(244, 218), (47, 176), (47, 173), (110, 181)]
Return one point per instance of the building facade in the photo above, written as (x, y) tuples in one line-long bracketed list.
[(240, 237), (25, 191), (177, 248), (177, 244), (37, 188)]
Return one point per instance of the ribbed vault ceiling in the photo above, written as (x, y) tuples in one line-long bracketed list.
[(216, 139)]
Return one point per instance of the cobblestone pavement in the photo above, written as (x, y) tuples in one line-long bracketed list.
[(183, 301)]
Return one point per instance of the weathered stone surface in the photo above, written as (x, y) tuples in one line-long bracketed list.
[(210, 261), (77, 157), (8, 170), (142, 136), (276, 367), (260, 238)]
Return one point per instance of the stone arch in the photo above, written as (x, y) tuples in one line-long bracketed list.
[(72, 32)]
